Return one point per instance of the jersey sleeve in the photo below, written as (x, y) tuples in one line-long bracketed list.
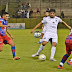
[(43, 21), (1, 21), (60, 20)]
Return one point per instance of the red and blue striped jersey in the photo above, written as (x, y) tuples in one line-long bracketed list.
[(69, 38), (3, 29)]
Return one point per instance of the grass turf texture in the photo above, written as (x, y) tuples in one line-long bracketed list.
[(26, 45)]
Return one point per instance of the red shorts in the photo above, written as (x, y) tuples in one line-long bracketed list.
[(5, 39), (68, 48)]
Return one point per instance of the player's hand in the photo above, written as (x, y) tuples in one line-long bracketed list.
[(32, 31), (12, 37), (8, 25)]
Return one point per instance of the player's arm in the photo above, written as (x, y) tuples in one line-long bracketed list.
[(1, 25), (66, 25), (42, 26), (7, 30), (38, 25)]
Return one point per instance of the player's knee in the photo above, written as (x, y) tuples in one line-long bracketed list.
[(68, 54), (12, 44), (54, 44), (44, 43)]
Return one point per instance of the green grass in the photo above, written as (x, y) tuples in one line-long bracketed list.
[(26, 45)]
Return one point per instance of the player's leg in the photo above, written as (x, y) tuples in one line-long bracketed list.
[(40, 49), (70, 61), (65, 57), (40, 41), (1, 43), (45, 41), (7, 40), (13, 50), (53, 49)]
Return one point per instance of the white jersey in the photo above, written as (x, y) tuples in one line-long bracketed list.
[(44, 28), (51, 23)]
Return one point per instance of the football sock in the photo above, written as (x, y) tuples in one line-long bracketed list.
[(53, 49), (40, 49), (71, 60), (63, 59), (13, 51)]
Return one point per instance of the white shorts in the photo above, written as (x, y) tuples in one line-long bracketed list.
[(44, 30), (47, 36)]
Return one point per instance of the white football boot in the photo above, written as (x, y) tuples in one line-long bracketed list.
[(52, 59), (35, 55)]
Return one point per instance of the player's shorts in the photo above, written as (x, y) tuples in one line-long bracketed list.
[(44, 30), (52, 36), (68, 48), (5, 39)]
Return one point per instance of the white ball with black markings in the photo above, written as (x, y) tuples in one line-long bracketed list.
[(37, 34), (42, 57)]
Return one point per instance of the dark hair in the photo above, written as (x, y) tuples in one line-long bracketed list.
[(4, 13), (52, 10), (48, 11)]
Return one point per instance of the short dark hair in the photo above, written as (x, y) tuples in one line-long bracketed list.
[(4, 13), (52, 10)]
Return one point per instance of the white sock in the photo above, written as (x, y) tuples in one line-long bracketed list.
[(61, 63), (53, 49), (40, 49), (71, 60), (40, 40)]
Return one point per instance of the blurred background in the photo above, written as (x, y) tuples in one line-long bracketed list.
[(31, 12)]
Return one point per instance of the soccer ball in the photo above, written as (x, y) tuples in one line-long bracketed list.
[(42, 57), (37, 34)]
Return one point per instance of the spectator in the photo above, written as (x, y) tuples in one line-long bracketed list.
[(14, 16), (19, 14), (38, 10), (22, 13), (62, 14), (28, 5), (31, 11), (23, 6), (27, 14)]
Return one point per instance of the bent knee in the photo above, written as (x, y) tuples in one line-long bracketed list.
[(44, 43), (12, 43), (54, 44)]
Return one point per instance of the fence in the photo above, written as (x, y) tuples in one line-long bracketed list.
[(32, 22)]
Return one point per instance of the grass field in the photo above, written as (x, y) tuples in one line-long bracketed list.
[(26, 45)]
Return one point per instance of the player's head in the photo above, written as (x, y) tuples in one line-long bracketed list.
[(52, 13), (46, 14), (5, 15)]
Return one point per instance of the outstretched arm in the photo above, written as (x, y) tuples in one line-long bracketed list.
[(1, 25), (38, 25), (66, 25), (7, 30)]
